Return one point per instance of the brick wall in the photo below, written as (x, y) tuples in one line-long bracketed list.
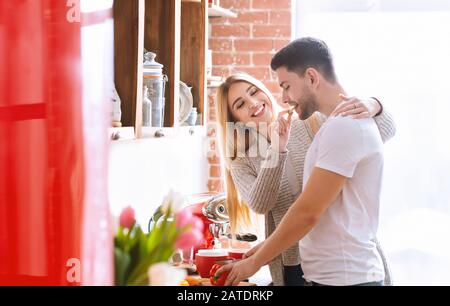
[(245, 44)]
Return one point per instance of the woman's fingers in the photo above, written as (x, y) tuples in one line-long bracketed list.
[(352, 107), (289, 119), (346, 102), (282, 113), (338, 109), (362, 115), (283, 124)]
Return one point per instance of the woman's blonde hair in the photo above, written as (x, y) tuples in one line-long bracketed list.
[(238, 211)]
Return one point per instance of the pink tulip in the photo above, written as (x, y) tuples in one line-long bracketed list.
[(189, 239), (197, 223), (183, 218), (127, 218)]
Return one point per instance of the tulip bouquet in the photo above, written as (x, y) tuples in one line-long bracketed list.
[(135, 251)]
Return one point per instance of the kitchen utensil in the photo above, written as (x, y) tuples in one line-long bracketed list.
[(205, 259), (237, 253)]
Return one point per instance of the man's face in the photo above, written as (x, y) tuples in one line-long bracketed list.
[(297, 92)]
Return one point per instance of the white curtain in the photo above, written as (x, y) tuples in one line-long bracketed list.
[(399, 51)]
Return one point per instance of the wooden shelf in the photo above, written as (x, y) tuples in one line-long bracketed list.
[(176, 30), (127, 133), (217, 11)]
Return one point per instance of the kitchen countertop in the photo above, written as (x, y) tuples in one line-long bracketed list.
[(261, 278)]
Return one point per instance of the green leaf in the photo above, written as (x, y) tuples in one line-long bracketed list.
[(122, 261), (148, 249)]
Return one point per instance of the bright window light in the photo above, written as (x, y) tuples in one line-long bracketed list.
[(399, 51)]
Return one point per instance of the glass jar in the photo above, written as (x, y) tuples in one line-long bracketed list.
[(146, 109), (155, 81)]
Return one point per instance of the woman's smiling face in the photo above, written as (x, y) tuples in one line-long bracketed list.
[(247, 103)]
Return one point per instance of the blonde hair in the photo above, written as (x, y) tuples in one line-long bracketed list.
[(238, 211)]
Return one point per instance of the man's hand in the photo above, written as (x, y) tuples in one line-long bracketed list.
[(357, 108), (239, 271), (253, 251)]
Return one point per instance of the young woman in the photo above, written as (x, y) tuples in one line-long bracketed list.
[(267, 179)]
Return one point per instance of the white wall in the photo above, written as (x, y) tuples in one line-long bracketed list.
[(141, 172)]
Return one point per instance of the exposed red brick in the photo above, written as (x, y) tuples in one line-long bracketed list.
[(212, 145), (221, 71), (212, 115), (262, 58), (280, 17), (214, 159), (214, 171), (273, 87), (221, 59), (236, 4), (212, 132), (272, 31), (242, 30), (255, 45), (211, 100), (251, 17), (280, 43), (261, 73), (215, 185), (218, 44), (271, 4)]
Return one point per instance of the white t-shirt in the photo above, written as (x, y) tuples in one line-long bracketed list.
[(339, 250)]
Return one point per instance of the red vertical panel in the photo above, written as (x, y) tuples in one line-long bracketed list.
[(42, 147)]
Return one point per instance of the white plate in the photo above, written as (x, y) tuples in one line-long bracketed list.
[(186, 102)]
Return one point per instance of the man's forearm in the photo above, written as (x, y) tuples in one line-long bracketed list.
[(322, 188)]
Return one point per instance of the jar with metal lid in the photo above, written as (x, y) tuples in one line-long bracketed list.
[(155, 81)]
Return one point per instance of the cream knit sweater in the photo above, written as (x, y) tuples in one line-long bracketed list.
[(266, 189)]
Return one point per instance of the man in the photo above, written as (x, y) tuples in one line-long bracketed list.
[(336, 216)]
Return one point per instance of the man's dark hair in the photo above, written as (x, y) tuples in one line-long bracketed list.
[(305, 53)]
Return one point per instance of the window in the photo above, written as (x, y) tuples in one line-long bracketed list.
[(399, 51)]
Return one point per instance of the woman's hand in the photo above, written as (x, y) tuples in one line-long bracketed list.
[(281, 128), (357, 108)]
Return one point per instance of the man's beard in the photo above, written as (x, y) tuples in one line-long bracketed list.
[(308, 105)]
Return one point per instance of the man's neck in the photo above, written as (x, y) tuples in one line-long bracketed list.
[(329, 98)]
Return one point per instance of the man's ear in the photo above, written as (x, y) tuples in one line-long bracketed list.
[(312, 77)]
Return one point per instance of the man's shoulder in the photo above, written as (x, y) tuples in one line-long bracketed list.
[(342, 126), (349, 131)]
